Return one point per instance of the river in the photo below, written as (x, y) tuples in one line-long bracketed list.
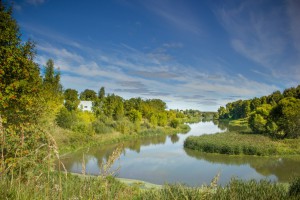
[(163, 159)]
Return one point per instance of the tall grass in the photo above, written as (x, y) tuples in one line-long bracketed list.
[(237, 143)]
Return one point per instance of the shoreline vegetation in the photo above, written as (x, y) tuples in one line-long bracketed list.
[(39, 120), (271, 126), (234, 143)]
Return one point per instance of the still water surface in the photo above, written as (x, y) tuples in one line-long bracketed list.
[(163, 159)]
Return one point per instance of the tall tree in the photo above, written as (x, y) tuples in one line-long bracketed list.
[(52, 90), (101, 93), (21, 105)]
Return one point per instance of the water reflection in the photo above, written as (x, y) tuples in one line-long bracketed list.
[(161, 159), (282, 167)]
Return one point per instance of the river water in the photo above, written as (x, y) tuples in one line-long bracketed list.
[(163, 159)]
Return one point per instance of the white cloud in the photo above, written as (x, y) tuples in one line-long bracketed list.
[(131, 73)]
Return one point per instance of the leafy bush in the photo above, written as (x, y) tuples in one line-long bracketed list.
[(294, 189), (101, 128), (65, 118), (174, 123)]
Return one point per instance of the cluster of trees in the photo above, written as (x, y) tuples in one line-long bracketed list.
[(277, 115), (112, 112)]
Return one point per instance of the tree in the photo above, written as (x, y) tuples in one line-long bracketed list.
[(287, 116), (135, 116), (65, 118), (88, 95), (174, 123), (71, 99), (52, 90), (101, 93), (119, 111), (21, 102)]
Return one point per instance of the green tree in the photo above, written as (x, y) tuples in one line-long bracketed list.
[(21, 102), (287, 116), (71, 99), (135, 116), (65, 118), (52, 90), (174, 123), (257, 123), (101, 93), (162, 119), (119, 111), (88, 95)]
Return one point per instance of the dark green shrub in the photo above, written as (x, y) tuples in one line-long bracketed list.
[(65, 118), (294, 189), (174, 123)]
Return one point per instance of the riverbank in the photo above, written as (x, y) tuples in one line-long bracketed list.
[(235, 143), (61, 186), (69, 141)]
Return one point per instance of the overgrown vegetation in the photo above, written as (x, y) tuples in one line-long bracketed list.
[(276, 115), (243, 143)]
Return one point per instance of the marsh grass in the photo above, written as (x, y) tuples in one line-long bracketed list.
[(235, 143)]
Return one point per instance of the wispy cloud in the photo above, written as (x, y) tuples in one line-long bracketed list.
[(260, 34), (179, 16), (131, 72)]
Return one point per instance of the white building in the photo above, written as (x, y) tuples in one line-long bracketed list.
[(85, 105)]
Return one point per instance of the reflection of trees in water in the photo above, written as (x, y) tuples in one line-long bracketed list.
[(174, 138), (224, 125), (282, 168), (102, 153)]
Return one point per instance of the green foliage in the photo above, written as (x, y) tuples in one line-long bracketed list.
[(88, 95), (124, 126), (101, 128), (257, 123), (66, 118), (22, 105), (294, 189), (119, 112), (71, 99), (135, 116), (153, 120), (287, 117), (174, 123), (162, 119), (236, 143), (101, 93), (52, 90), (276, 115)]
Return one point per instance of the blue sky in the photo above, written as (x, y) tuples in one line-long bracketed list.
[(189, 53)]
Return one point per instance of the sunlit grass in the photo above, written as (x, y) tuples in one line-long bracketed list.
[(237, 143)]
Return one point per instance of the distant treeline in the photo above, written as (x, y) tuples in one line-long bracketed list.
[(276, 115), (112, 112)]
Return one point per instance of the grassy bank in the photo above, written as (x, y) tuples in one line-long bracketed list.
[(68, 141), (62, 186), (242, 143)]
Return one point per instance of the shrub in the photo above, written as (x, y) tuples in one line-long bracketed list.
[(101, 128), (294, 189), (174, 123), (65, 118)]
